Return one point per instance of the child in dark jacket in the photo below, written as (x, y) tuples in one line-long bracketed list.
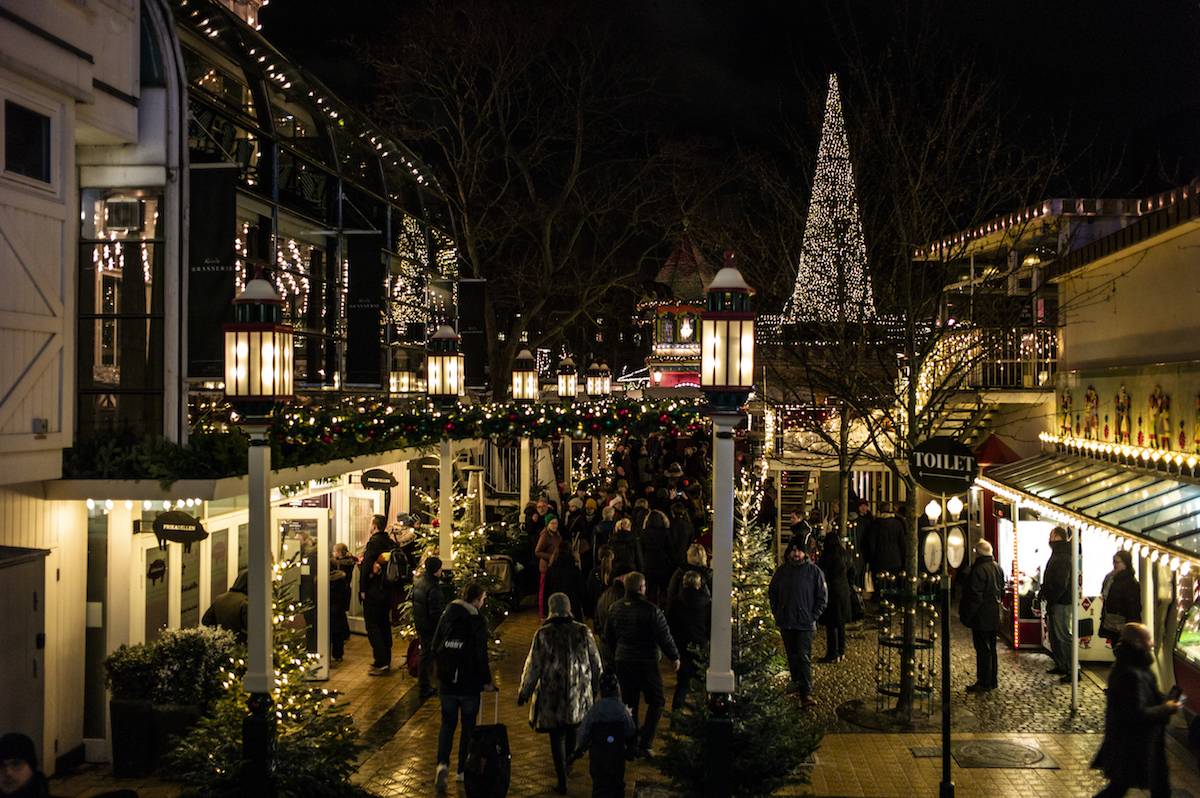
[(605, 733)]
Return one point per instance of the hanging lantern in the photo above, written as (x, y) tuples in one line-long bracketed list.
[(404, 377), (605, 379), (568, 379), (444, 367), (258, 352), (727, 340), (597, 383), (525, 377)]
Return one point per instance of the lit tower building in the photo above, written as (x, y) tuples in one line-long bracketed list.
[(674, 318)]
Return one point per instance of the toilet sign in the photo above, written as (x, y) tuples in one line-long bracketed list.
[(943, 466)]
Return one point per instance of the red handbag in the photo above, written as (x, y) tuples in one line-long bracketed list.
[(412, 660)]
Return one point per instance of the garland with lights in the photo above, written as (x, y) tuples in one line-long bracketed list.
[(316, 743), (833, 255), (311, 434), (772, 735)]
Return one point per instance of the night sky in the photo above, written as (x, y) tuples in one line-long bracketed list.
[(1117, 82)]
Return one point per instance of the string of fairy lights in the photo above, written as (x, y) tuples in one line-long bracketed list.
[(832, 275)]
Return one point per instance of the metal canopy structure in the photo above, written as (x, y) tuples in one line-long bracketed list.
[(1158, 509)]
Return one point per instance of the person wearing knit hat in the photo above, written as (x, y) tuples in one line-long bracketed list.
[(428, 604), (19, 775), (980, 610)]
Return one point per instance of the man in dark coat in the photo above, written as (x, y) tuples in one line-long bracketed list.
[(1133, 753), (886, 551), (980, 611), (341, 571), (19, 774), (1056, 592), (798, 597), (636, 632), (375, 594), (428, 604), (690, 619), (836, 567), (231, 609)]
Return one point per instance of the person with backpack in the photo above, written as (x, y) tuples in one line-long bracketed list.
[(561, 676), (375, 592), (607, 730), (460, 647), (979, 610), (428, 604)]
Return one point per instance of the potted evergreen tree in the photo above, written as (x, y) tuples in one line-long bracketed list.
[(131, 676), (187, 677)]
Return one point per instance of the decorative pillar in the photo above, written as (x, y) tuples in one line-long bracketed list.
[(523, 480), (258, 727), (720, 679), (568, 467), (1076, 539), (445, 504)]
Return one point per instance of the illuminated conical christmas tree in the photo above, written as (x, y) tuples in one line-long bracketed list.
[(832, 283)]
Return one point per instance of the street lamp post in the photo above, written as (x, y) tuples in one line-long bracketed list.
[(444, 383), (525, 391), (598, 386), (726, 377), (568, 389), (258, 378), (941, 556)]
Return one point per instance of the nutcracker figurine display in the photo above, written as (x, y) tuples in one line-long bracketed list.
[(1091, 413), (1064, 409), (1196, 425), (1160, 419), (1121, 405)]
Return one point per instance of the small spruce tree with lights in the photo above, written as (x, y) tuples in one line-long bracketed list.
[(316, 743), (772, 736)]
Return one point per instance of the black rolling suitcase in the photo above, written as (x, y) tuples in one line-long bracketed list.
[(489, 761)]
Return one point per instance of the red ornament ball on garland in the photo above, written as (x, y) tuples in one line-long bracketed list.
[(326, 439), (623, 412), (449, 426), (664, 418)]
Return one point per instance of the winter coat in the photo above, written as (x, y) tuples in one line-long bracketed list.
[(373, 584), (798, 595), (428, 604), (637, 630), (657, 548), (547, 545), (837, 567), (676, 584), (887, 545), (460, 645), (690, 619), (563, 576), (1122, 596), (1056, 578), (983, 588), (1133, 750), (606, 710), (340, 571), (682, 534), (229, 611), (602, 532), (627, 551), (611, 595), (562, 674), (767, 513)]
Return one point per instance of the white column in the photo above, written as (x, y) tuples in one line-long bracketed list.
[(1076, 539), (445, 503), (260, 669), (524, 480), (568, 466), (1146, 574), (322, 582), (720, 678)]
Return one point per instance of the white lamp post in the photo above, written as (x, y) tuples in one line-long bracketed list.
[(258, 378), (568, 389), (599, 386), (444, 384), (525, 389), (727, 377)]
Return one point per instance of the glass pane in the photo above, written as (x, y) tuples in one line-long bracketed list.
[(220, 563), (1082, 478), (1126, 499), (157, 562), (26, 142), (358, 531), (95, 699), (189, 591), (111, 215), (1092, 487), (139, 413), (299, 545), (1135, 514), (243, 547)]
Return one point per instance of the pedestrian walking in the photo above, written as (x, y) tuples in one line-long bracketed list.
[(798, 597), (690, 620), (1056, 593), (682, 532), (460, 646), (627, 548), (837, 568), (1122, 598), (1133, 754), (605, 734), (19, 774), (886, 550), (614, 593), (376, 596), (341, 572), (637, 632), (561, 678), (563, 576), (979, 610), (428, 604), (230, 609), (658, 554), (697, 560), (544, 551), (598, 580), (604, 527)]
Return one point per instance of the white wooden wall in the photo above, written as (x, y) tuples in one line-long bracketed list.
[(29, 521)]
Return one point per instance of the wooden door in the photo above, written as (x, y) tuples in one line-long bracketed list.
[(22, 639)]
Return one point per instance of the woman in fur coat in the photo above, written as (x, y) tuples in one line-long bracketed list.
[(561, 676)]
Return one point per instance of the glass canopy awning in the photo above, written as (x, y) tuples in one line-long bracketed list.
[(1160, 510)]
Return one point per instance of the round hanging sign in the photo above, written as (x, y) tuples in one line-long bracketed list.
[(378, 479), (943, 466)]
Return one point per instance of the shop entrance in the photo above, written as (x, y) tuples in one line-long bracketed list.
[(302, 537)]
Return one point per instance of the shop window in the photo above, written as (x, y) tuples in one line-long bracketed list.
[(189, 587), (158, 591), (26, 142), (120, 312), (219, 573), (243, 547)]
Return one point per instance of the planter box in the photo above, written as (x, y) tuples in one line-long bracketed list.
[(133, 744), (170, 721)]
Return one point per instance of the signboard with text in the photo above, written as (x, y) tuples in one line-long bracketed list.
[(943, 466)]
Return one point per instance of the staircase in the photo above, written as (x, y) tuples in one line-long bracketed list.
[(964, 419), (798, 493)]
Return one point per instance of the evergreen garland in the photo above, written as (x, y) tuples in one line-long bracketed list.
[(772, 736), (316, 746)]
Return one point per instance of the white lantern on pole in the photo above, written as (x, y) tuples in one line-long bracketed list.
[(727, 340), (525, 377), (258, 352), (568, 379), (444, 367)]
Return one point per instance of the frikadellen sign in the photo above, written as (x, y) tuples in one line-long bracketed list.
[(943, 466)]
